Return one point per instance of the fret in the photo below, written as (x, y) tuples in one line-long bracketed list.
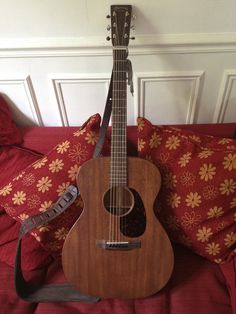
[(118, 135), (118, 182), (119, 98), (115, 183)]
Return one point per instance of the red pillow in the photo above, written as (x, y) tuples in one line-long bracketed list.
[(38, 186), (9, 134), (197, 200), (13, 160)]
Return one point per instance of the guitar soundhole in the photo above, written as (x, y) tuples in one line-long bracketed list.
[(134, 224), (127, 204), (118, 201)]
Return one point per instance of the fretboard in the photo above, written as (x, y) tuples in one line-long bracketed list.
[(118, 176)]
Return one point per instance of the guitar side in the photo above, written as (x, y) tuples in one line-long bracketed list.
[(96, 271)]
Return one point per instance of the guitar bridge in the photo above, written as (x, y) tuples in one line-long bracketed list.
[(118, 245)]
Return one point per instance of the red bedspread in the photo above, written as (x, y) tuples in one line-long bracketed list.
[(197, 285)]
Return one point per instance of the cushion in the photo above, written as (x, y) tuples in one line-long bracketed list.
[(197, 200), (38, 186), (9, 133), (13, 160)]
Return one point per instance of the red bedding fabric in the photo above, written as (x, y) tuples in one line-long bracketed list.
[(197, 286), (182, 298), (229, 271), (34, 137), (9, 133), (9, 301)]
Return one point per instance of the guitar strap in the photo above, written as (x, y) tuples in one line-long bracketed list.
[(56, 292)]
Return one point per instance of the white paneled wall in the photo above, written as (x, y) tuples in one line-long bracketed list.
[(55, 62)]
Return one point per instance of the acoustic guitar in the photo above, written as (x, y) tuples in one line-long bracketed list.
[(100, 256)]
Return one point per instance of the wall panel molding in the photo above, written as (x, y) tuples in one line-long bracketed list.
[(193, 77), (25, 83), (228, 79), (97, 45), (58, 81)]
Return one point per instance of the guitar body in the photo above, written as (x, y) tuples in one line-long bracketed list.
[(117, 273)]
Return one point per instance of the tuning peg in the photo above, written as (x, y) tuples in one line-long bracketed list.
[(134, 17), (132, 38), (132, 27), (108, 27), (108, 16), (108, 38)]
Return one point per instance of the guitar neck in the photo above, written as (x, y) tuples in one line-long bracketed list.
[(119, 119)]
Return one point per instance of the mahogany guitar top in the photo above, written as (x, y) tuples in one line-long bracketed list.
[(117, 273)]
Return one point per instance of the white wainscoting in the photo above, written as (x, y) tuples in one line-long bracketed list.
[(171, 95), (177, 79), (79, 93), (19, 92), (226, 105)]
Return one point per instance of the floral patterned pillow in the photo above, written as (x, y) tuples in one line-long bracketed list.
[(197, 200), (38, 186)]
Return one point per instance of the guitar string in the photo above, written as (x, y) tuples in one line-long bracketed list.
[(112, 165), (124, 156), (118, 143), (117, 195)]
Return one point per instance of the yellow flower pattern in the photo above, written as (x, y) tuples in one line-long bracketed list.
[(34, 190), (207, 172), (155, 140), (23, 216), (205, 153), (170, 180), (141, 124), (173, 142), (44, 184), (204, 234), (233, 203), (230, 162), (63, 147), (40, 163), (92, 137), (45, 206), (72, 172), (197, 200), (228, 186), (19, 198), (6, 189), (193, 199), (62, 188), (173, 200), (215, 212), (213, 248), (141, 144), (56, 165), (79, 132), (61, 234), (184, 160), (230, 239)]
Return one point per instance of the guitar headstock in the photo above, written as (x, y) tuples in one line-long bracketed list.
[(120, 25)]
